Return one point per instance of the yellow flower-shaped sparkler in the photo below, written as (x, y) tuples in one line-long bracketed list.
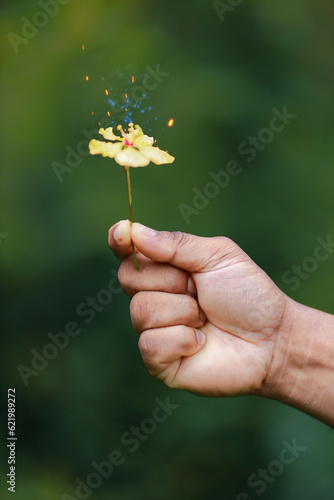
[(134, 149)]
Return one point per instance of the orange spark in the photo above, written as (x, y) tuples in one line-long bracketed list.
[(106, 91), (126, 95), (171, 122), (108, 113), (87, 78), (83, 47), (132, 79)]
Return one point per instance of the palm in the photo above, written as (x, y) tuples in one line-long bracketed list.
[(244, 309)]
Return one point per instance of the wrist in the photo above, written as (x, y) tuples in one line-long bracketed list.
[(301, 372)]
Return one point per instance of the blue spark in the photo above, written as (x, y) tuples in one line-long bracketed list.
[(128, 100)]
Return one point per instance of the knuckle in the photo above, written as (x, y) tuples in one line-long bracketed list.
[(148, 346), (139, 311), (179, 236), (186, 340), (182, 239), (227, 245), (192, 245), (222, 250)]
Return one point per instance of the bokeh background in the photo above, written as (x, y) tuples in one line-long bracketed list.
[(224, 73)]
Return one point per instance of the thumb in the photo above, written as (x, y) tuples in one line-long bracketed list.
[(183, 250)]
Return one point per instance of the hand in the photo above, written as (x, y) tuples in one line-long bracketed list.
[(208, 316)]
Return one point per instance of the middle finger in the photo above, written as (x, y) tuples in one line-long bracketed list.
[(158, 309)]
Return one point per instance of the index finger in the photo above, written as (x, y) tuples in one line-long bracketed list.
[(119, 239)]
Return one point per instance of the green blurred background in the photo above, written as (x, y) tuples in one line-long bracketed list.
[(224, 78)]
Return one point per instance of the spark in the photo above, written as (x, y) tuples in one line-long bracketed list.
[(108, 113), (87, 78), (83, 47), (171, 122), (106, 91), (132, 79)]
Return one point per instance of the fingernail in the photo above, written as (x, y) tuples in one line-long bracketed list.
[(148, 231), (117, 234), (200, 337)]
